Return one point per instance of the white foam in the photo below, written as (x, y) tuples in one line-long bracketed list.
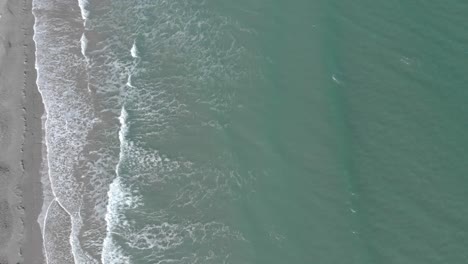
[(113, 254), (84, 12), (335, 79), (199, 61), (164, 238), (405, 60), (134, 51), (123, 125), (129, 81), (118, 200), (84, 44), (55, 59)]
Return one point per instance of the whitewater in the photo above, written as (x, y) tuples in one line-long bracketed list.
[(85, 77)]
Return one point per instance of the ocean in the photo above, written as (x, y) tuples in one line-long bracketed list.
[(203, 131)]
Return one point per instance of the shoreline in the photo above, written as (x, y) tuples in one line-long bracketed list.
[(21, 111)]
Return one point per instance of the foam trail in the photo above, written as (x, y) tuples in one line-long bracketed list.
[(84, 45), (134, 50), (123, 127), (84, 12), (111, 253), (117, 197), (129, 81)]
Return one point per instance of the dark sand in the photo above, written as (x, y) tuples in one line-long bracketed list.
[(21, 109)]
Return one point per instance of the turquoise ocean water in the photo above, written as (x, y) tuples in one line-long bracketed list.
[(257, 131)]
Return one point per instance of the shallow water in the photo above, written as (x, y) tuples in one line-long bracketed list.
[(254, 131)]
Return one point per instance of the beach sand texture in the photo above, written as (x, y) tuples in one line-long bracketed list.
[(20, 137)]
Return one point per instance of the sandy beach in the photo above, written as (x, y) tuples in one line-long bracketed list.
[(20, 137)]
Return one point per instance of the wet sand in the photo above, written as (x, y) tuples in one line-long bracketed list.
[(21, 110)]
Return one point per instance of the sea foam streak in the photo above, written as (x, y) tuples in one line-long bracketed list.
[(134, 50), (118, 199), (84, 44), (84, 12)]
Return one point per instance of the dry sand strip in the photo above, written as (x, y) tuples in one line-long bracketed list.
[(20, 137)]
